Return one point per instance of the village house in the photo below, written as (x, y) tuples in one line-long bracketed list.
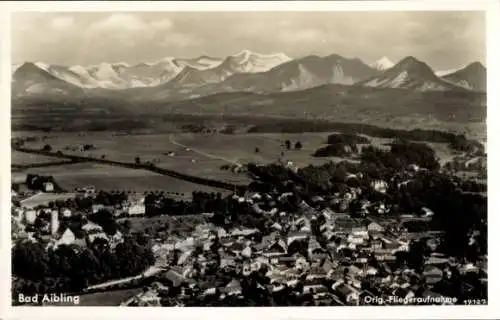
[(355, 239), (376, 244), (48, 187), (97, 207), (233, 288), (301, 263), (312, 287), (276, 249), (30, 216), (227, 263), (91, 227), (346, 293), (136, 209), (65, 212), (437, 261), (432, 274), (374, 227), (175, 277), (316, 272), (94, 235), (297, 236), (379, 186), (147, 298), (66, 238)]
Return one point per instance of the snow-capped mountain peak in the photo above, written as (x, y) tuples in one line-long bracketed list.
[(167, 59), (443, 73), (247, 61), (78, 69), (472, 77), (244, 54), (409, 73), (42, 65), (383, 63), (122, 64), (105, 70)]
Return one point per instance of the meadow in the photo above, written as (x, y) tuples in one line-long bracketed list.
[(196, 154), (109, 178), (23, 158)]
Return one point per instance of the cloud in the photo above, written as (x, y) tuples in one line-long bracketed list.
[(117, 22), (94, 37), (126, 29), (162, 24), (301, 36), (181, 40), (62, 23), (128, 22)]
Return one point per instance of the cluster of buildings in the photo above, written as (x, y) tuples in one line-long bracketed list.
[(354, 263), (41, 216), (323, 255)]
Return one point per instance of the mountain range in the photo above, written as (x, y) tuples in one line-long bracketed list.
[(179, 78)]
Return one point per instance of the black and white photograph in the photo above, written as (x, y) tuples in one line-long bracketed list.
[(285, 158)]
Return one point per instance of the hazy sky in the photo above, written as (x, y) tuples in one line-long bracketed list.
[(442, 39)]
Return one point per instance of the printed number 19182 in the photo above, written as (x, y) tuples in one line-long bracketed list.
[(475, 302)]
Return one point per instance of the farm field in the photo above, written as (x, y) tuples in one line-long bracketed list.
[(196, 153), (125, 148), (115, 147), (23, 158), (241, 147), (151, 147), (110, 178)]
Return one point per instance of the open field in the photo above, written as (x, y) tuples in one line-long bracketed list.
[(151, 147), (195, 154), (110, 178), (241, 147), (23, 158)]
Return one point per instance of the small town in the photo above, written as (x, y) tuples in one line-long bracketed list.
[(272, 244), (273, 155)]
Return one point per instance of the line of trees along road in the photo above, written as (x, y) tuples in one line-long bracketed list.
[(138, 165)]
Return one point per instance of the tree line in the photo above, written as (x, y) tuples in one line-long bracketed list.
[(300, 126), (71, 268)]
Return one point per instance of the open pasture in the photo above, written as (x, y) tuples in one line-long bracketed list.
[(110, 178), (192, 153), (241, 148), (205, 168), (157, 148), (123, 148)]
